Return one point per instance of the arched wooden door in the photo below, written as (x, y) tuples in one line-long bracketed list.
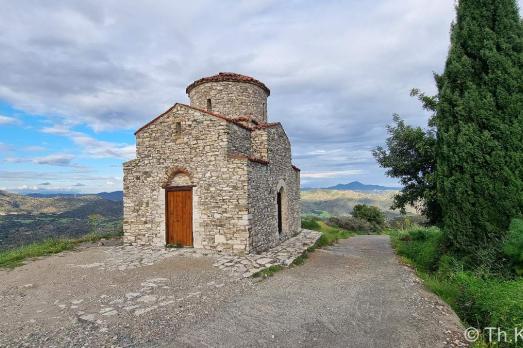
[(178, 213)]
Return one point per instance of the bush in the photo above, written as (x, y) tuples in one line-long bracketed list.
[(353, 224), (513, 245), (369, 213), (406, 222), (310, 223), (479, 298), (421, 245), (489, 302)]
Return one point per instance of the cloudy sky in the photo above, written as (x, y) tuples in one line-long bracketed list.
[(79, 77)]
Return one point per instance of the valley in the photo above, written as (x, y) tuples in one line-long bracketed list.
[(26, 219)]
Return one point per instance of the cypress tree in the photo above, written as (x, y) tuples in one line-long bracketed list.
[(479, 119)]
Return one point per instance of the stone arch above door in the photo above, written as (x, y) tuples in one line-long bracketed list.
[(177, 177)]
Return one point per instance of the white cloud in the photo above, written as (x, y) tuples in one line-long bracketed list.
[(331, 174), (34, 148), (5, 120), (337, 70), (93, 147), (57, 159), (62, 160)]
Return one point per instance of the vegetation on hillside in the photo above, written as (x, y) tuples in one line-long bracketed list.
[(480, 298), (369, 213), (16, 256), (326, 203), (11, 203), (25, 220)]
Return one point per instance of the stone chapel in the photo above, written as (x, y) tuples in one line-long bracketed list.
[(213, 174)]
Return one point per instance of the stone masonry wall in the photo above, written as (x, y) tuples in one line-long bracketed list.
[(232, 99), (196, 149), (240, 140), (264, 183), (259, 144)]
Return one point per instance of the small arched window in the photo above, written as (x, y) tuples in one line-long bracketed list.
[(209, 105), (279, 203), (178, 128)]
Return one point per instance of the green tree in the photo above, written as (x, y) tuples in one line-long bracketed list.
[(409, 155), (479, 119), (369, 213), (95, 221)]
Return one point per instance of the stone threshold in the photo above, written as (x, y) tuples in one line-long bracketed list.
[(283, 254)]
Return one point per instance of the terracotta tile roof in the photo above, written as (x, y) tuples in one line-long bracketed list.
[(267, 125), (296, 168), (246, 118), (228, 77), (225, 118), (237, 121)]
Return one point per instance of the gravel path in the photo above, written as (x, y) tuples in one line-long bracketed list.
[(353, 294)]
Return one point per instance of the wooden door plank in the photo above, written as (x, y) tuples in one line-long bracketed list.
[(179, 217)]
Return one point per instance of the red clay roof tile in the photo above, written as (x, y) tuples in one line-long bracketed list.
[(225, 118), (228, 77)]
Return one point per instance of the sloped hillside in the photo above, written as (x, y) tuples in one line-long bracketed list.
[(25, 219), (338, 202), (13, 203)]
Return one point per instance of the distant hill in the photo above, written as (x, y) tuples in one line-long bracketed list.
[(25, 219), (112, 196), (116, 196), (20, 204), (325, 202), (12, 203), (358, 186)]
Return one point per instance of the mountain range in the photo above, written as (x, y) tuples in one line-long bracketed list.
[(356, 186), (112, 196), (103, 203)]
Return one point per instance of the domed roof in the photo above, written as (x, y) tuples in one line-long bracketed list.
[(228, 77)]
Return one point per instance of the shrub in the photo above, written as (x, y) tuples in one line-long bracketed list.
[(422, 245), (406, 222), (513, 245), (310, 223), (353, 224), (369, 213), (480, 298), (489, 302)]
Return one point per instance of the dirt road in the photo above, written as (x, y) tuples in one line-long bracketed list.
[(354, 294)]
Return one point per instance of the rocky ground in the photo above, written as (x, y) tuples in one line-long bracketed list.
[(353, 294)]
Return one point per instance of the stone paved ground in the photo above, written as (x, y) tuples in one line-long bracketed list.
[(121, 258), (353, 294), (284, 254)]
